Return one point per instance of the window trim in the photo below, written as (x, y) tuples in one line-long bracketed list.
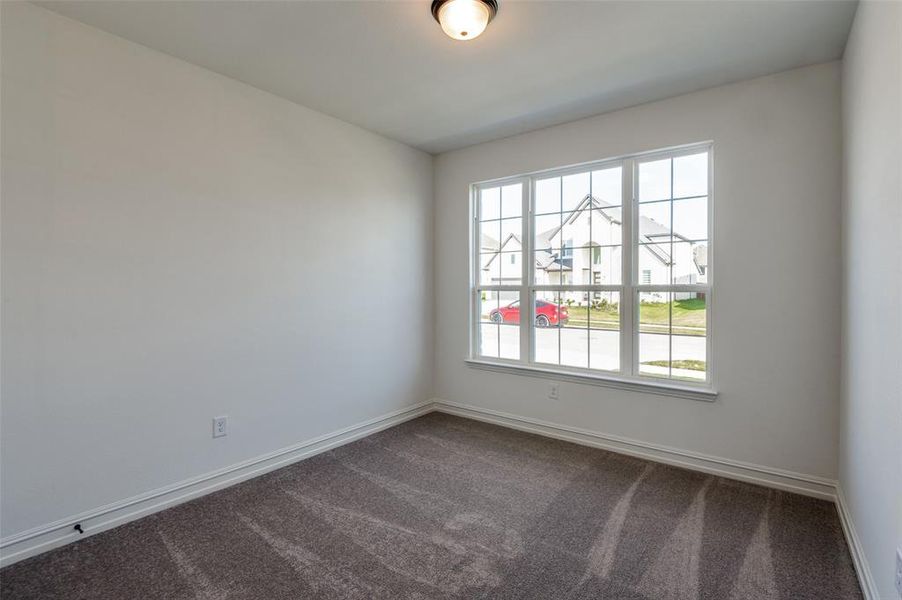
[(629, 288)]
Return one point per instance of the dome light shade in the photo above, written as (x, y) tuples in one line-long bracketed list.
[(464, 19)]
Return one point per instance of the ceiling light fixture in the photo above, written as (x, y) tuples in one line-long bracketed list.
[(464, 19)]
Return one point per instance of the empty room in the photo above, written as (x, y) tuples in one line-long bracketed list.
[(451, 299)]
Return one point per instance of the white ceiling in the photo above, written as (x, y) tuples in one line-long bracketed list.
[(388, 67)]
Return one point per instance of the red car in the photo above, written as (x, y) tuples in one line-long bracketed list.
[(547, 314)]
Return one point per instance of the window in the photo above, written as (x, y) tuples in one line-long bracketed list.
[(618, 280)]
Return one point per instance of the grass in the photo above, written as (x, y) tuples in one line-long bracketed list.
[(688, 317), (606, 316), (692, 365)]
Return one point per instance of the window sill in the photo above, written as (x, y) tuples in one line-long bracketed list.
[(690, 392)]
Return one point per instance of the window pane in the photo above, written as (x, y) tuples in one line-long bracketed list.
[(575, 231), (489, 269), (574, 192), (502, 307), (654, 334), (512, 200), (499, 243), (690, 262), (549, 267), (499, 318), (490, 236), (547, 332), (489, 204), (575, 347), (654, 180), (562, 331), (576, 308), (510, 269), (573, 320), (547, 231), (672, 330), (606, 227), (511, 233), (604, 331), (654, 222), (509, 325), (488, 329), (606, 265), (548, 196), (607, 185), (690, 218), (654, 264), (581, 273), (688, 344), (690, 175), (509, 336), (689, 315)]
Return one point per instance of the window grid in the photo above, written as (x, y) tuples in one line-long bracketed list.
[(630, 289)]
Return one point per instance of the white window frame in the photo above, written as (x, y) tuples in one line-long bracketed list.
[(629, 289)]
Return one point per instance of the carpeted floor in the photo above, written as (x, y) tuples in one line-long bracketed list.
[(444, 507)]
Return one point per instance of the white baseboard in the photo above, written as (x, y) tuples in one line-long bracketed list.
[(865, 578), (799, 483), (46, 537)]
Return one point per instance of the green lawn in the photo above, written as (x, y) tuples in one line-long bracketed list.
[(604, 317), (688, 317), (692, 365)]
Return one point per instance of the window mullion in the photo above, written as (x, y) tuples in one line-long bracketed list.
[(628, 328), (526, 305), (475, 233)]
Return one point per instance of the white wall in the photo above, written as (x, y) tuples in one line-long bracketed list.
[(177, 245), (776, 312), (870, 460)]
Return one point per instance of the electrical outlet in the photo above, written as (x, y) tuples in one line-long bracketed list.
[(220, 426), (553, 391), (899, 571)]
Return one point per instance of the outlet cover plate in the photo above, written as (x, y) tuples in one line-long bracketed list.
[(220, 426)]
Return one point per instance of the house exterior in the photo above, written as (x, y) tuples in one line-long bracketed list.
[(584, 248)]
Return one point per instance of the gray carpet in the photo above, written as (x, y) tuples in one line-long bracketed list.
[(444, 507)]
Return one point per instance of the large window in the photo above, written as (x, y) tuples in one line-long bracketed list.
[(601, 270)]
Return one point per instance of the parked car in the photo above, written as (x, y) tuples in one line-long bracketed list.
[(547, 314)]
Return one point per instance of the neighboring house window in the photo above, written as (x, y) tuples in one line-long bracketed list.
[(633, 300), (596, 254), (567, 251)]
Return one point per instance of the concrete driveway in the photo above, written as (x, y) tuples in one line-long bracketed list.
[(594, 348)]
